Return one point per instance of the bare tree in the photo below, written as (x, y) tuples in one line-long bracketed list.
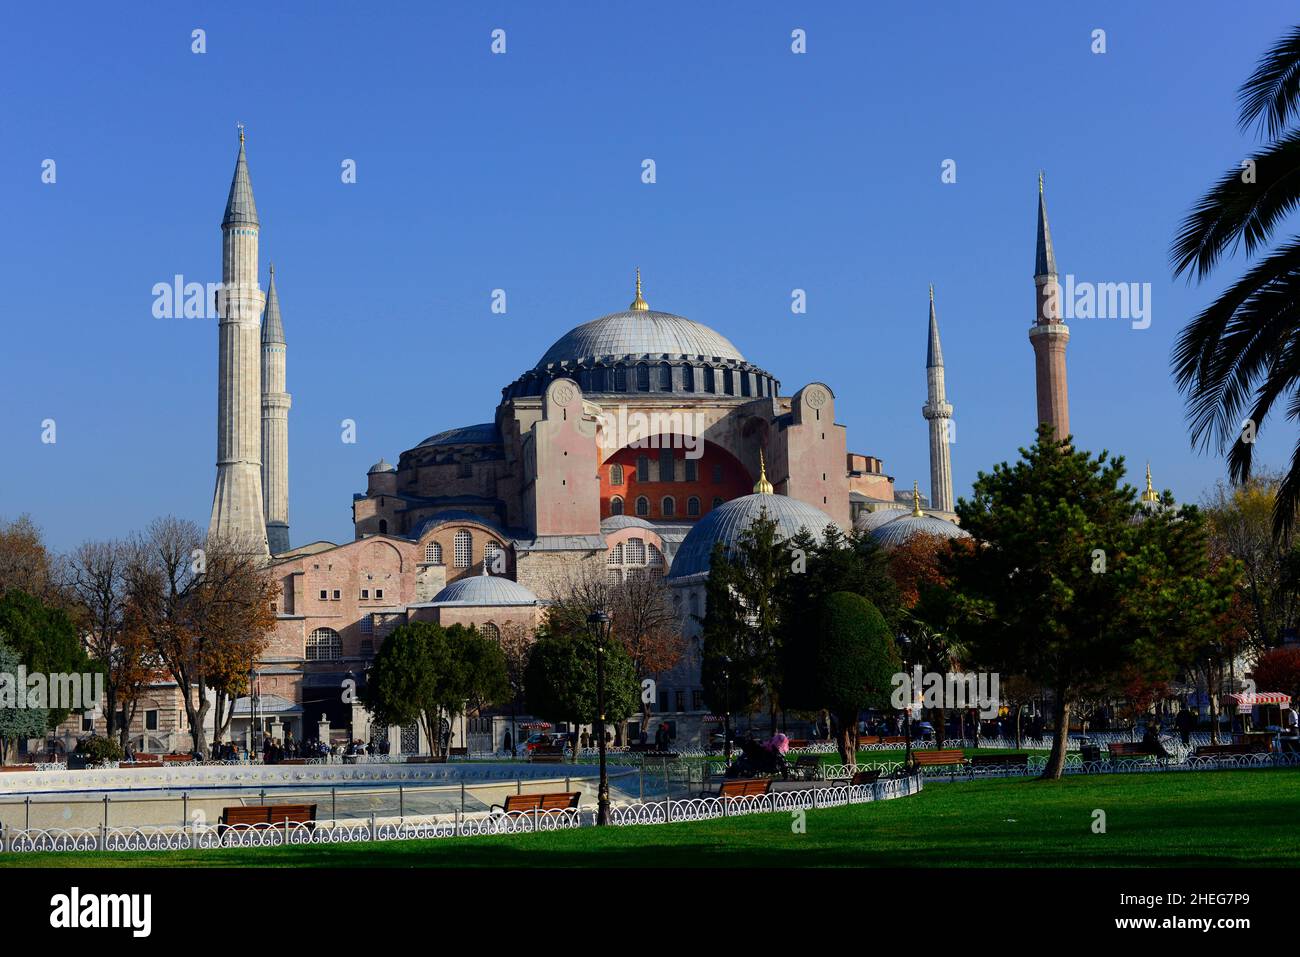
[(97, 580), (642, 613), (206, 607), (516, 643)]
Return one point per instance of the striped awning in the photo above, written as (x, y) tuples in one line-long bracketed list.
[(1245, 700)]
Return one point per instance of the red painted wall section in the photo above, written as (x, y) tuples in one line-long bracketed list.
[(732, 481), (565, 491)]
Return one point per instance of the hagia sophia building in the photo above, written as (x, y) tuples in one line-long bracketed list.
[(634, 444)]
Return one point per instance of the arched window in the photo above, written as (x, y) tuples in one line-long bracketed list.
[(635, 551), (656, 556), (493, 558), (615, 556), (710, 380), (616, 505), (324, 644), (620, 378), (692, 469), (616, 475), (433, 553), (643, 506), (693, 506), (668, 507), (688, 379), (643, 468), (491, 631), (642, 377), (464, 548), (717, 503), (695, 605), (383, 526), (667, 467), (665, 377)]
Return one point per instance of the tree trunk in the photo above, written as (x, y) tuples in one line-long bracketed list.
[(1019, 708), (846, 739), (940, 728), (196, 716), (1060, 740)]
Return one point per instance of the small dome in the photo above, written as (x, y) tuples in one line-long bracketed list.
[(637, 333), (484, 590), (615, 522), (728, 522), (899, 530), (382, 466), (870, 521)]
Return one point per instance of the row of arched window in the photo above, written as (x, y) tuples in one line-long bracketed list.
[(463, 551), (667, 471), (667, 506), (325, 644)]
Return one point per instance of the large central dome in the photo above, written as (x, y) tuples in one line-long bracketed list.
[(640, 333), (641, 350)]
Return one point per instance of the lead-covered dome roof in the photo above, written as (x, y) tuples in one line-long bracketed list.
[(484, 590), (642, 350), (728, 522), (640, 333)]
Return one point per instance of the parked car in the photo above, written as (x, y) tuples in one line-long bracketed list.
[(546, 739)]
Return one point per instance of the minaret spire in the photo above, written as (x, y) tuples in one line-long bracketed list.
[(237, 510), (1049, 335), (1150, 495), (938, 412), (275, 424)]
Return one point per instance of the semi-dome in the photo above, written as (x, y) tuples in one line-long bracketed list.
[(640, 333), (485, 433), (728, 522), (383, 465), (900, 529), (484, 590)]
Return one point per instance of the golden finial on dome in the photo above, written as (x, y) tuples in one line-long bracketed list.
[(1150, 495), (916, 500), (639, 304), (240, 126), (762, 486)]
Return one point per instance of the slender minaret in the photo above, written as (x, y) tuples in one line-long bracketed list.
[(237, 503), (275, 425), (1048, 333), (938, 412)]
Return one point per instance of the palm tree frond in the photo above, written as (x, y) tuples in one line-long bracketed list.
[(1272, 94)]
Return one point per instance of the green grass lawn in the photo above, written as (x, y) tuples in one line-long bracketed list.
[(1163, 820)]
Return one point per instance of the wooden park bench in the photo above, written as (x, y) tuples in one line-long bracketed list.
[(1216, 750), (928, 759), (18, 767), (894, 739), (999, 761), (808, 767), (861, 778), (143, 761), (744, 787), (1130, 750), (560, 801), (864, 739), (177, 758), (458, 752), (274, 815), (292, 761), (796, 743), (427, 759)]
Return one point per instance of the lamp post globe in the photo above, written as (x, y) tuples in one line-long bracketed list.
[(599, 622)]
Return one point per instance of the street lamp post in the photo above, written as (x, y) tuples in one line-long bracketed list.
[(252, 713), (905, 645), (726, 708), (599, 622)]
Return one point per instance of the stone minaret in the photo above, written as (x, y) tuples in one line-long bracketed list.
[(275, 425), (237, 503), (1048, 333), (938, 412)]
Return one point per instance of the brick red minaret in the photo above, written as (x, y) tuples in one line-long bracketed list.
[(1049, 334)]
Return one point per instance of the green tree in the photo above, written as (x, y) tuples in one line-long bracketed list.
[(18, 724), (844, 663), (45, 640), (1070, 582), (426, 673), (560, 680), (1237, 358), (742, 620)]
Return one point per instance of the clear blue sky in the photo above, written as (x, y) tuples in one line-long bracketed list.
[(522, 171)]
